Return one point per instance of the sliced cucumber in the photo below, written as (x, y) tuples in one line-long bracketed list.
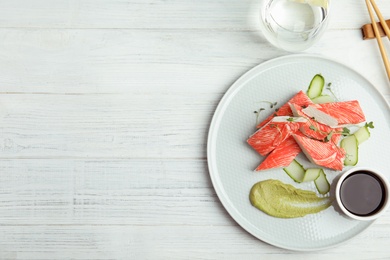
[(316, 86), (322, 183), (295, 170), (350, 145), (311, 174), (323, 99), (362, 134)]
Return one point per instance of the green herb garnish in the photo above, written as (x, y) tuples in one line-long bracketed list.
[(331, 91), (328, 137), (370, 125), (346, 131), (272, 104)]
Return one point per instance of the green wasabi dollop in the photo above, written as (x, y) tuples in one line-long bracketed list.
[(281, 200)]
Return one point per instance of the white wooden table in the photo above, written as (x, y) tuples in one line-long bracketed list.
[(104, 113)]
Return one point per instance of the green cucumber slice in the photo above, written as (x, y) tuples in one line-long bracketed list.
[(322, 183), (311, 174), (323, 99), (362, 134), (350, 145), (295, 170), (316, 86)]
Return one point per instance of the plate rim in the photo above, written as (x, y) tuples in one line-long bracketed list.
[(214, 126)]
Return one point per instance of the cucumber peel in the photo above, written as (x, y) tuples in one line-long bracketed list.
[(322, 183), (351, 144), (323, 99), (316, 86), (351, 148), (295, 170), (298, 173), (311, 174), (362, 134)]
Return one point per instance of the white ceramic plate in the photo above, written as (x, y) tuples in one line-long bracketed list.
[(232, 162)]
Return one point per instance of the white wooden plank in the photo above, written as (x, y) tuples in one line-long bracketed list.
[(122, 13), (108, 192), (117, 119), (111, 126), (105, 126), (169, 242), (110, 209), (112, 61), (137, 61), (111, 192), (217, 14)]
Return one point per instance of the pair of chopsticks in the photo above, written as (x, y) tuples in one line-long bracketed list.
[(377, 34)]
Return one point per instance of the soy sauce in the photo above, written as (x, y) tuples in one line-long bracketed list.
[(362, 193)]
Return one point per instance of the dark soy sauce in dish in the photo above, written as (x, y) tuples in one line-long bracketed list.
[(362, 193)]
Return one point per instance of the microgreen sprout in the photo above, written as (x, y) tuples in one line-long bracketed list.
[(271, 104), (276, 127), (329, 87), (346, 131), (328, 137), (257, 112), (370, 125)]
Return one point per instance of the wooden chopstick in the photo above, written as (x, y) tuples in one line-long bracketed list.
[(381, 19), (378, 38)]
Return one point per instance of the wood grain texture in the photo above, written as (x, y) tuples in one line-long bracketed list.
[(142, 125), (108, 192), (104, 113), (145, 125), (120, 209), (123, 61), (153, 61), (139, 14), (173, 242)]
